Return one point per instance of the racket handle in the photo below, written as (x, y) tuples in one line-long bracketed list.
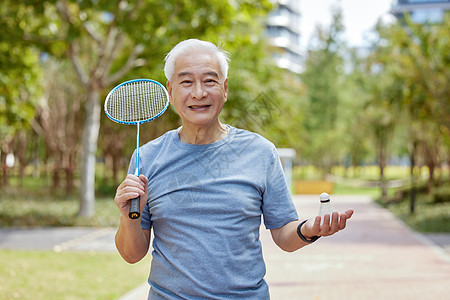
[(134, 208)]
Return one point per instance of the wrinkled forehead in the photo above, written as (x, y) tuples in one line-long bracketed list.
[(197, 62)]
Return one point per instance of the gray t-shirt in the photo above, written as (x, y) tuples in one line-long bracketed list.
[(205, 205)]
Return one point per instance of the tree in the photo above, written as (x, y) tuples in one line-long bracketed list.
[(427, 92), (105, 40), (385, 89), (262, 97), (323, 78), (58, 116), (411, 68), (19, 85)]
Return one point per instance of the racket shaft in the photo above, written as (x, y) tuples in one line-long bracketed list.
[(134, 208), (135, 212)]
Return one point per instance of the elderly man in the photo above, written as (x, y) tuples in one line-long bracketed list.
[(207, 185)]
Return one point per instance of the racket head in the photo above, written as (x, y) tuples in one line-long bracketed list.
[(136, 101)]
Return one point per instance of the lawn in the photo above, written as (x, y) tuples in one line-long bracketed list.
[(428, 216), (68, 275), (340, 189), (29, 211), (36, 203)]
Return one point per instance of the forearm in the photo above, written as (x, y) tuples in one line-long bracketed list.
[(132, 241), (287, 238)]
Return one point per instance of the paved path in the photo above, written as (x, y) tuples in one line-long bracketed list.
[(376, 257), (58, 239)]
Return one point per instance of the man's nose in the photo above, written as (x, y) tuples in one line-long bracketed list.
[(198, 92)]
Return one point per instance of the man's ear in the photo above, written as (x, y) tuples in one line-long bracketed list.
[(169, 90), (225, 86)]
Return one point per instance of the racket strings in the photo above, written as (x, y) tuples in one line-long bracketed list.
[(137, 101)]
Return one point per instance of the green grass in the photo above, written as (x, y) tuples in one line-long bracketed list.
[(373, 172), (341, 189), (22, 211), (369, 173), (68, 275), (35, 203), (428, 216)]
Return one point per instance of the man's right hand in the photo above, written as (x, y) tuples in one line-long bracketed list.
[(131, 188)]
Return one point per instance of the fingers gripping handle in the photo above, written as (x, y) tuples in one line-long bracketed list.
[(134, 208), (135, 203)]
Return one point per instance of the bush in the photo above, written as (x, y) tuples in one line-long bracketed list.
[(432, 212), (442, 195)]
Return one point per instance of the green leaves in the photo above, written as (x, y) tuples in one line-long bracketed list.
[(324, 81)]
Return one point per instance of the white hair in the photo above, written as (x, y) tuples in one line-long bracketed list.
[(195, 44)]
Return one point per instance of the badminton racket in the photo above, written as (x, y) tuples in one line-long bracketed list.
[(135, 102)]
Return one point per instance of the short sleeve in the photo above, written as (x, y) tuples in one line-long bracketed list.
[(146, 220), (278, 207)]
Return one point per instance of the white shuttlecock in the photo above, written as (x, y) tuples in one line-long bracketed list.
[(325, 206)]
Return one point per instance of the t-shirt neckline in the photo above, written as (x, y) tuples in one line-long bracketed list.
[(179, 143)]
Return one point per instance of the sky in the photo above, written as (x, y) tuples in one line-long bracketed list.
[(359, 17)]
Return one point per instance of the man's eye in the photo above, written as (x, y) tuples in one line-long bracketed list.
[(210, 81)]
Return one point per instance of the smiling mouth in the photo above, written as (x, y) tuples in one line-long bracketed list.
[(198, 106)]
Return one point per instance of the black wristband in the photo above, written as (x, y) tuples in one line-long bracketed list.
[(303, 238)]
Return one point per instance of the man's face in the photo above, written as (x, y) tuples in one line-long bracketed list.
[(197, 89)]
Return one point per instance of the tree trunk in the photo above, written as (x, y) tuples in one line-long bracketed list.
[(5, 148), (383, 184), (430, 160), (115, 168), (412, 158), (4, 181), (55, 176), (36, 165), (69, 174), (21, 155), (431, 171), (89, 147), (382, 161)]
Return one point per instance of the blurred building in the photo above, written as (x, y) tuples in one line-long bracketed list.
[(283, 29), (421, 11)]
